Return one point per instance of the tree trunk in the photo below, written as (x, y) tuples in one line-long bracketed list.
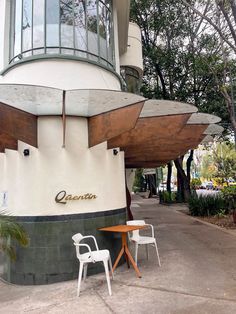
[(183, 177), (189, 162), (128, 203), (180, 186), (169, 173)]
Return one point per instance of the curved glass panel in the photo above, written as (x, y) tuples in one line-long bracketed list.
[(38, 26), (132, 79), (82, 28)]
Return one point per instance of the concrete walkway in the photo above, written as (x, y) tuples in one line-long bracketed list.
[(198, 274)]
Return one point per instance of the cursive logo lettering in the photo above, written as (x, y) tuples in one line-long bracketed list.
[(62, 197)]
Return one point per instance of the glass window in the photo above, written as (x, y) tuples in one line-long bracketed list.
[(27, 27), (102, 30), (80, 27), (17, 13), (52, 26), (132, 79), (92, 27), (38, 26), (67, 25)]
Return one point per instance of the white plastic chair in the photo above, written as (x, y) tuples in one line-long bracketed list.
[(91, 257), (139, 240)]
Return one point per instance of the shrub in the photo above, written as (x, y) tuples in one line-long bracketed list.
[(208, 205), (167, 197), (229, 194), (195, 183)]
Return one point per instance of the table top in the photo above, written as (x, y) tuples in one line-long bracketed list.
[(122, 228)]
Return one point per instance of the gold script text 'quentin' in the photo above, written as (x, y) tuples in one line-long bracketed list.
[(62, 197)]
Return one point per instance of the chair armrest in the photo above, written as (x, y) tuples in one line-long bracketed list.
[(152, 229), (87, 246), (94, 239)]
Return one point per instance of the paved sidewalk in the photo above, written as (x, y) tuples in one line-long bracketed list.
[(197, 274)]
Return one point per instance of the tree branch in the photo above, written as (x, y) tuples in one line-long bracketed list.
[(212, 24), (232, 30)]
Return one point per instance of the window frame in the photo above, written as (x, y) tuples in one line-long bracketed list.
[(63, 51)]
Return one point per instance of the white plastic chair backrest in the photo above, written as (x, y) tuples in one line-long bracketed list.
[(135, 233), (77, 238)]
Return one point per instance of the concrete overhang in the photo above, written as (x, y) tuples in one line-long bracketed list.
[(214, 129), (156, 107), (123, 8), (40, 100), (207, 139), (149, 131), (106, 110), (164, 131), (203, 118)]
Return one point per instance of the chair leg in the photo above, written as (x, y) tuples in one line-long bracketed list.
[(85, 271), (107, 276), (79, 277), (146, 250), (159, 262), (136, 253), (110, 264)]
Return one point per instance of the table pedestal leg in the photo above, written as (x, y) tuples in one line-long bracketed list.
[(124, 250), (132, 262), (124, 245), (118, 258)]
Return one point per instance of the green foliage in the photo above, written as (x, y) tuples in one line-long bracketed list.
[(11, 229), (224, 159), (229, 194), (195, 182), (207, 167), (220, 163), (139, 181), (166, 197), (181, 58), (221, 213), (207, 205)]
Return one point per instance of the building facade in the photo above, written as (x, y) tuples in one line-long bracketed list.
[(71, 122), (60, 70)]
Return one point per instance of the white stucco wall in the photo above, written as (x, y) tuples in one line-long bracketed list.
[(63, 74), (32, 182), (133, 57)]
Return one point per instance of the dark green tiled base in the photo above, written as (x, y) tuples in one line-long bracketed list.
[(50, 256)]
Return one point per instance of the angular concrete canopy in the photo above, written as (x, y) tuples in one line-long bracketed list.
[(159, 119), (16, 125), (110, 124), (107, 111), (40, 100), (88, 103), (153, 150), (207, 139), (150, 132), (7, 142), (203, 118), (37, 100), (155, 107), (214, 129)]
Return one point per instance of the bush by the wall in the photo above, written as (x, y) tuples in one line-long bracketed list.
[(208, 205)]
